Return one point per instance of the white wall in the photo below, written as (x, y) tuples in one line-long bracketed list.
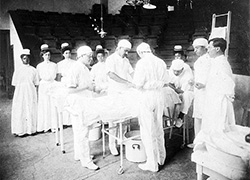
[(15, 40)]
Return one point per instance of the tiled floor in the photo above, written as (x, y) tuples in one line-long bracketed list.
[(37, 157)]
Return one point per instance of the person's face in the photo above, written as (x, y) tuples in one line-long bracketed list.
[(177, 55), (46, 56), (178, 72), (124, 51), (67, 54), (26, 59), (86, 58), (100, 57), (199, 50), (211, 50)]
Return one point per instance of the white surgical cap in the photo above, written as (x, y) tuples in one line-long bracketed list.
[(83, 50), (143, 47), (25, 52), (124, 43), (200, 42), (177, 64)]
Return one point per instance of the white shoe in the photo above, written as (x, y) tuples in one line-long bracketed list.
[(146, 167), (91, 166), (78, 159), (113, 150), (179, 122)]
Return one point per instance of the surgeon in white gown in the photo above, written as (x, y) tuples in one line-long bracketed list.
[(150, 77), (24, 105), (47, 71), (219, 112), (181, 80), (80, 85), (201, 71), (119, 72)]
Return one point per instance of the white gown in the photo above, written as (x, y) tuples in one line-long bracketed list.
[(219, 112), (24, 105), (46, 111), (120, 66), (79, 77), (201, 71), (182, 82), (151, 70)]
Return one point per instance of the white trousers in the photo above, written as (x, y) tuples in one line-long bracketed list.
[(151, 129), (81, 142)]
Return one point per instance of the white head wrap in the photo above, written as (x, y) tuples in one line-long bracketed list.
[(25, 52), (200, 42), (143, 47), (83, 50), (124, 43), (177, 64)]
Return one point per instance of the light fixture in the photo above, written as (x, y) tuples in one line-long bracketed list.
[(102, 32), (146, 3)]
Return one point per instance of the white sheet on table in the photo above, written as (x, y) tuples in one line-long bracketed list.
[(105, 108), (112, 107)]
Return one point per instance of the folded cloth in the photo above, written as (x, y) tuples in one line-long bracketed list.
[(231, 142)]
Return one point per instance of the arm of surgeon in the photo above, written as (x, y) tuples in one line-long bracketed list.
[(76, 89), (177, 90), (118, 79)]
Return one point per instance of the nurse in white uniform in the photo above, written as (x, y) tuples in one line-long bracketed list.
[(47, 71), (24, 105), (99, 74), (63, 69)]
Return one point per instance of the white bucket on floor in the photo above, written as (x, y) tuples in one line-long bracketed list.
[(95, 132), (134, 149)]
